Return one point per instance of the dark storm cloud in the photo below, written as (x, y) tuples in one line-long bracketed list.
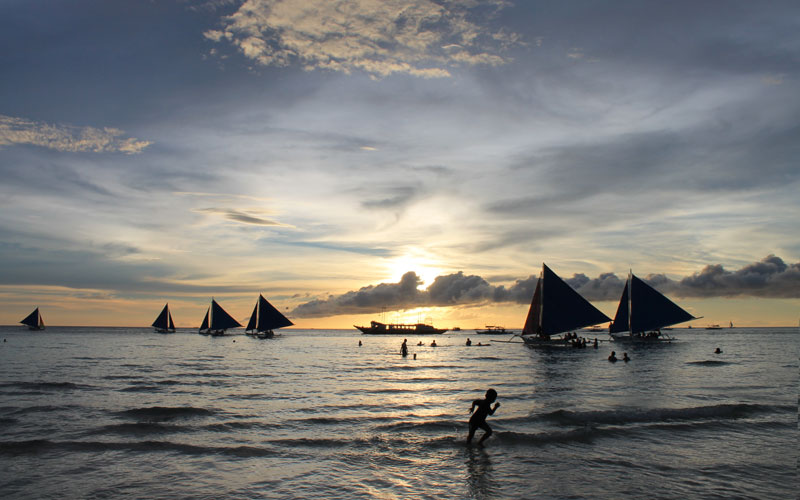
[(771, 278)]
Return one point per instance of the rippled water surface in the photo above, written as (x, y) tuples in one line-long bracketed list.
[(126, 413)]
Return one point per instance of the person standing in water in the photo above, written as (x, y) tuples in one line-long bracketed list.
[(404, 348), (478, 419)]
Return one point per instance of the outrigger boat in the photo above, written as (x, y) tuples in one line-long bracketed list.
[(555, 309), (216, 321), (378, 328), (34, 320), (493, 329), (643, 312), (265, 319), (163, 323)]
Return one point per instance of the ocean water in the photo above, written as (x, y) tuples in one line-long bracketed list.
[(127, 413)]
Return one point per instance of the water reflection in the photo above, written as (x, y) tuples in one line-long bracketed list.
[(480, 483)]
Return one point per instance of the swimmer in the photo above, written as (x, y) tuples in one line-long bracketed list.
[(613, 357)]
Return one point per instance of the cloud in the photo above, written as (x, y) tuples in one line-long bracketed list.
[(770, 277), (67, 138), (239, 216), (416, 37)]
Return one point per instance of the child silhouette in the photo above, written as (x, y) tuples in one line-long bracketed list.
[(478, 419)]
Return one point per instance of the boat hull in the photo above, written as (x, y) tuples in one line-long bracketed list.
[(367, 330), (545, 343)]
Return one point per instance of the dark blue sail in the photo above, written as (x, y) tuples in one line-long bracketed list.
[(620, 323), (34, 320), (650, 310), (270, 318), (253, 322), (204, 325), (557, 308), (164, 320), (221, 320), (533, 321)]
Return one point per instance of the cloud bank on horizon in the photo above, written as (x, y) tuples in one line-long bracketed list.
[(769, 278)]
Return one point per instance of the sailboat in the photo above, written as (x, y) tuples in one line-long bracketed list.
[(163, 323), (264, 319), (34, 320), (216, 321), (643, 311), (557, 308)]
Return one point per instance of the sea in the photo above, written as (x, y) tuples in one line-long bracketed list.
[(95, 413)]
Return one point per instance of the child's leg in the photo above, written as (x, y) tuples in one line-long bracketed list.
[(486, 434), (472, 430)]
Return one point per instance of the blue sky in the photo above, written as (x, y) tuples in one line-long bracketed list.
[(174, 150)]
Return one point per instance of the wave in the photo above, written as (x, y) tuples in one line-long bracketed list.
[(42, 446), (136, 429), (43, 386), (723, 411), (164, 413), (709, 362), (428, 425), (141, 388)]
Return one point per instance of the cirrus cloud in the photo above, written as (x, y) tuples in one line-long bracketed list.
[(67, 138), (379, 37)]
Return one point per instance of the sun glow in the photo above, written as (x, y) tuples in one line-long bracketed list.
[(426, 268)]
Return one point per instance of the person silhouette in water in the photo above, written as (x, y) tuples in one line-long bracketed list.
[(404, 348), (478, 419)]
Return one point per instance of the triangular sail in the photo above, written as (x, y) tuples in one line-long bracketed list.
[(204, 325), (220, 320), (650, 310), (171, 323), (164, 319), (561, 308), (621, 323), (533, 321), (251, 324), (33, 320), (270, 318)]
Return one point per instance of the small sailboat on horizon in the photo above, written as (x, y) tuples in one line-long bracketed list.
[(34, 320), (557, 308), (265, 319), (216, 321), (164, 323), (643, 312)]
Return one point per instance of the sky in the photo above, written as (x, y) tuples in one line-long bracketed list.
[(408, 160)]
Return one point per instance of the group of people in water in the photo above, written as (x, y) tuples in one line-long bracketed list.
[(613, 357)]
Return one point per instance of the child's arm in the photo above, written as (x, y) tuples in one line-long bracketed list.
[(473, 405), (492, 410)]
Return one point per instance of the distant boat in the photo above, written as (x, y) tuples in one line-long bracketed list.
[(643, 311), (556, 308), (217, 321), (265, 319), (34, 320), (378, 328), (713, 327), (494, 329), (163, 323)]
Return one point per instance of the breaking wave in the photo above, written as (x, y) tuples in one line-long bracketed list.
[(723, 411)]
